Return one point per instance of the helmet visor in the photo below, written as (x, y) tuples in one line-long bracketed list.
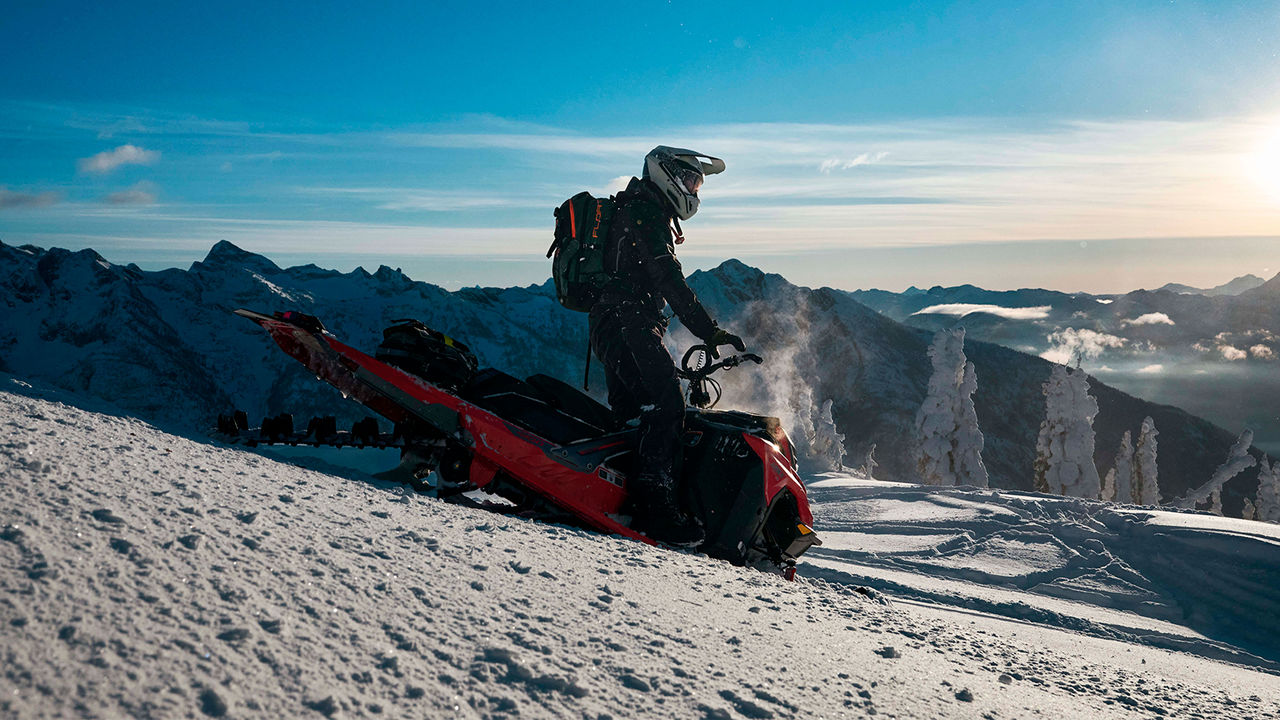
[(691, 179)]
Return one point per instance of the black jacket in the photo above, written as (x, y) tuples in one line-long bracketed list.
[(640, 254)]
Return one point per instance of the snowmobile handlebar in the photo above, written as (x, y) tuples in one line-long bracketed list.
[(729, 361), (700, 377)]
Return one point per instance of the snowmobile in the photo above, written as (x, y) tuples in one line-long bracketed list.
[(548, 449)]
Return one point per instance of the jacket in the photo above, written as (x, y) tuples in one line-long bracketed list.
[(640, 255)]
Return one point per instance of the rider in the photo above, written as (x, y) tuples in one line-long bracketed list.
[(627, 326)]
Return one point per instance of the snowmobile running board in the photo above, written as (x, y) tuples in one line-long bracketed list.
[(542, 444)]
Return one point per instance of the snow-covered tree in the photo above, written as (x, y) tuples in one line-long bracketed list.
[(1064, 448), (870, 466), (1249, 512), (1269, 492), (1109, 486), (970, 469), (1237, 460), (826, 447), (1146, 487), (947, 423), (1123, 471)]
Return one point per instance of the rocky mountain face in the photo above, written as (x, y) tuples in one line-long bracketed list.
[(165, 346)]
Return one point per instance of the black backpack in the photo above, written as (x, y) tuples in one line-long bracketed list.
[(432, 356), (577, 253)]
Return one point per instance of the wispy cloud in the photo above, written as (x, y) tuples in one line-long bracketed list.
[(837, 164), (968, 180), (790, 188), (109, 160), (1010, 313), (10, 199), (417, 199), (1151, 369), (142, 193)]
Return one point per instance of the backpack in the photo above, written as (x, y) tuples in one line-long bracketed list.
[(432, 356), (577, 253)]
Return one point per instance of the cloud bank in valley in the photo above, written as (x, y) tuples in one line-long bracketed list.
[(1039, 312), (1155, 318), (1066, 346)]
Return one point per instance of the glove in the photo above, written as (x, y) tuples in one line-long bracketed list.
[(723, 337)]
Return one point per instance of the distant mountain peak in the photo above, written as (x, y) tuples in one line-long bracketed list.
[(386, 272), (1270, 288), (226, 254), (734, 267), (1235, 287)]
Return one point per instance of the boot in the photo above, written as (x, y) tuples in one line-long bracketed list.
[(659, 514)]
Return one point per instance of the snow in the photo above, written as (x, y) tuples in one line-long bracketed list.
[(151, 575)]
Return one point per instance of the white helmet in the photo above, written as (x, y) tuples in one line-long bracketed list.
[(678, 173)]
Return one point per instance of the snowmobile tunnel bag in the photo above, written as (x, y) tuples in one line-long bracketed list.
[(431, 355)]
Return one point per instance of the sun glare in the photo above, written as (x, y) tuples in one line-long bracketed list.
[(1267, 166)]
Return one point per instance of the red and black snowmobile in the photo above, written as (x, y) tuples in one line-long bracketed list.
[(544, 446)]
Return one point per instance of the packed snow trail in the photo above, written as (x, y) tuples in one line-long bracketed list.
[(144, 574)]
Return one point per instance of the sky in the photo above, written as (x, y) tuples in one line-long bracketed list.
[(1087, 146)]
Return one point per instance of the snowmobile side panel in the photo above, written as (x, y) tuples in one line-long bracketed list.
[(482, 472), (778, 475)]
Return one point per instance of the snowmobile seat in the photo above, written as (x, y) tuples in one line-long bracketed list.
[(573, 401), (528, 407)]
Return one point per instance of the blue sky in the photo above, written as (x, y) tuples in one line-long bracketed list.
[(1080, 146)]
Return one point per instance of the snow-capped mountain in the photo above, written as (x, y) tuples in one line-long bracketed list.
[(143, 574), (165, 345)]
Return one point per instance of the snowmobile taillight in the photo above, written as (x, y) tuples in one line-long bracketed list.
[(804, 539)]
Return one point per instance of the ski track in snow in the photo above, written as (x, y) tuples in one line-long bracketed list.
[(1193, 582), (148, 575)]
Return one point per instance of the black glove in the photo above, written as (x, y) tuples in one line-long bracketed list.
[(723, 337)]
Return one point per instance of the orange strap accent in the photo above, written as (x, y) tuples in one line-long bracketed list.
[(573, 223)]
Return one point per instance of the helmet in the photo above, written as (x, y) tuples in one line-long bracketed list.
[(678, 173)]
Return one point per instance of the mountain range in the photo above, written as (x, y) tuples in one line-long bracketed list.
[(165, 346), (1212, 352)]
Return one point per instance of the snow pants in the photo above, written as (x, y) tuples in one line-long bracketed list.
[(641, 377)]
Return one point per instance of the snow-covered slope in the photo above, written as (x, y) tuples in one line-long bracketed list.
[(148, 575)]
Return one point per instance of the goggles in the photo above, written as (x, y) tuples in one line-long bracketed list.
[(691, 180)]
